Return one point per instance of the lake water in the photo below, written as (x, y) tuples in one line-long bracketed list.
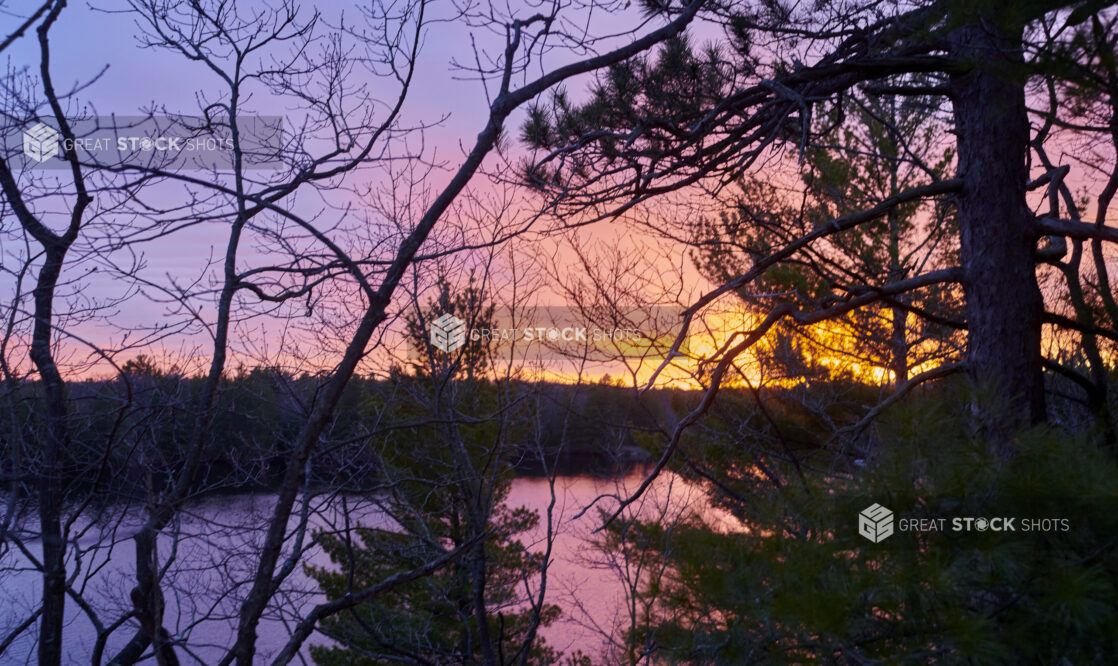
[(216, 533)]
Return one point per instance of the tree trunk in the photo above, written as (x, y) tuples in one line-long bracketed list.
[(898, 338), (898, 343), (53, 446), (1003, 302)]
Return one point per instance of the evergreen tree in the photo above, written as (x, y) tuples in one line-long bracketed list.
[(797, 583), (870, 148), (694, 120), (446, 476)]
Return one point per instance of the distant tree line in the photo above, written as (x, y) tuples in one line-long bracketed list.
[(589, 428)]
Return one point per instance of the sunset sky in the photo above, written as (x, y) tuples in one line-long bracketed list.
[(102, 48)]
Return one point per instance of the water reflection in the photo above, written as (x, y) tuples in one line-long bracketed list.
[(217, 536)]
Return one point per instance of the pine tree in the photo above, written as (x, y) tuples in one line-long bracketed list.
[(870, 148), (795, 582), (445, 480)]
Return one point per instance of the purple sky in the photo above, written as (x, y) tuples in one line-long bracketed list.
[(87, 42)]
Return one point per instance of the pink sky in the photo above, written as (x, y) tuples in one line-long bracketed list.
[(88, 43)]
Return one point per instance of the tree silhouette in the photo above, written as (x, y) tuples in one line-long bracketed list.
[(877, 147)]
